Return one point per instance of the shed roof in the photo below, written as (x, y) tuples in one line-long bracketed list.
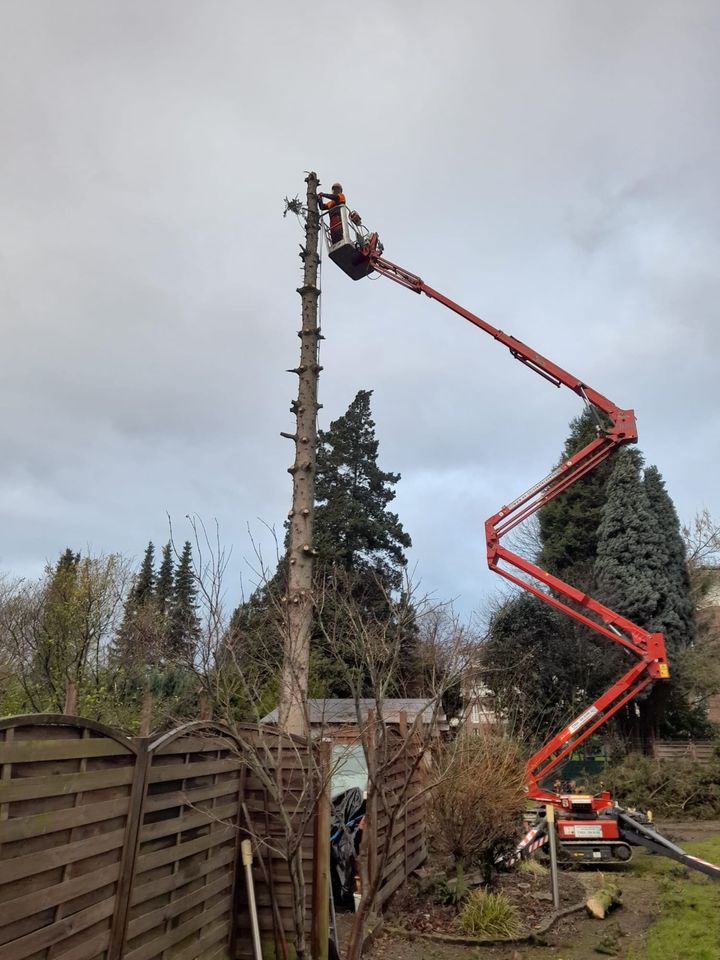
[(344, 711)]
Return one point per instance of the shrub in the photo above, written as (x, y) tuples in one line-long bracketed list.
[(477, 803), (670, 788), (489, 916)]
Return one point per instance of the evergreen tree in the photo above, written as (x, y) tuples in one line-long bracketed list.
[(671, 712), (632, 569), (539, 676), (360, 556), (137, 641), (164, 584), (360, 545), (569, 523), (675, 616), (183, 626), (354, 529), (631, 554)]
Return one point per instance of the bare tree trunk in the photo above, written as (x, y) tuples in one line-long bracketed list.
[(296, 659)]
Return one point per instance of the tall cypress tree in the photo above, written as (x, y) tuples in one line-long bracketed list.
[(183, 626), (631, 554), (137, 641), (164, 584), (670, 706), (569, 523), (360, 555), (675, 615), (355, 530)]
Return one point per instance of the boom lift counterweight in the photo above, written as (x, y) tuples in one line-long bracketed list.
[(589, 827)]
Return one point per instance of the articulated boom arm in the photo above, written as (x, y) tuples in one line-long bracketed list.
[(615, 427)]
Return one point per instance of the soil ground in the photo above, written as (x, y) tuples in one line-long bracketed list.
[(576, 937)]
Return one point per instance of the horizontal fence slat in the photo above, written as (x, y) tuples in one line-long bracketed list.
[(147, 921), (179, 798), (163, 828), (159, 944), (42, 824), (19, 867), (180, 851), (34, 788), (55, 933), (40, 900), (186, 771), (155, 888), (387, 891), (35, 751)]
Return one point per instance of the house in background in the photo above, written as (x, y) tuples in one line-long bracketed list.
[(337, 719), (709, 621)]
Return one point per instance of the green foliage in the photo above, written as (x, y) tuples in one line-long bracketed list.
[(675, 789), (354, 529), (360, 546), (630, 561), (183, 625), (489, 916), (164, 583), (541, 674), (569, 523)]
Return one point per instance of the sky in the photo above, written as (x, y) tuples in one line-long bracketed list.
[(551, 164)]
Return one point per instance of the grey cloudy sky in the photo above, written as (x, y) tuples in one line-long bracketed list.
[(551, 164)]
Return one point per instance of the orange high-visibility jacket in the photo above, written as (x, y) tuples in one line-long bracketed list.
[(334, 200)]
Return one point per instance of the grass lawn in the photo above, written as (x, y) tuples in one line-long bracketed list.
[(688, 927)]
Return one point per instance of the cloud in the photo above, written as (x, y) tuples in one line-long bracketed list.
[(552, 166)]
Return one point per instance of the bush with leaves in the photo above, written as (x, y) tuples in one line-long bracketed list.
[(674, 789), (476, 806)]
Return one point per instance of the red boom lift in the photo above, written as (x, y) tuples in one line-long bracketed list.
[(589, 828)]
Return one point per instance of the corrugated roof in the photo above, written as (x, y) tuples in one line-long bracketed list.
[(345, 711)]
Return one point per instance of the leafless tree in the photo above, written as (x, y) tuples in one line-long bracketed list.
[(368, 648)]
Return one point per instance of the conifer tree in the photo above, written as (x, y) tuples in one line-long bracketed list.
[(360, 554), (354, 529), (137, 641), (671, 712), (631, 554), (675, 616), (164, 584), (183, 625), (569, 523)]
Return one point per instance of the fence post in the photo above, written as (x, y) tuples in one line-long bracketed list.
[(118, 931), (320, 932), (407, 762), (371, 824)]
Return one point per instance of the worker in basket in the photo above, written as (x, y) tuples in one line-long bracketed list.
[(334, 199)]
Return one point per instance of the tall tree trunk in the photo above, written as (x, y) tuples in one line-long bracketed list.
[(299, 599)]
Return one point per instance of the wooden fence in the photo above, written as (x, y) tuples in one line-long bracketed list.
[(396, 824), (127, 847), (701, 751)]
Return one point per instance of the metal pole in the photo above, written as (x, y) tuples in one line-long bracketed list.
[(552, 840), (247, 859)]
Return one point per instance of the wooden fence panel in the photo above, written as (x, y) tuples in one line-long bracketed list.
[(121, 848), (406, 846), (65, 826), (701, 751), (181, 903), (287, 760)]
